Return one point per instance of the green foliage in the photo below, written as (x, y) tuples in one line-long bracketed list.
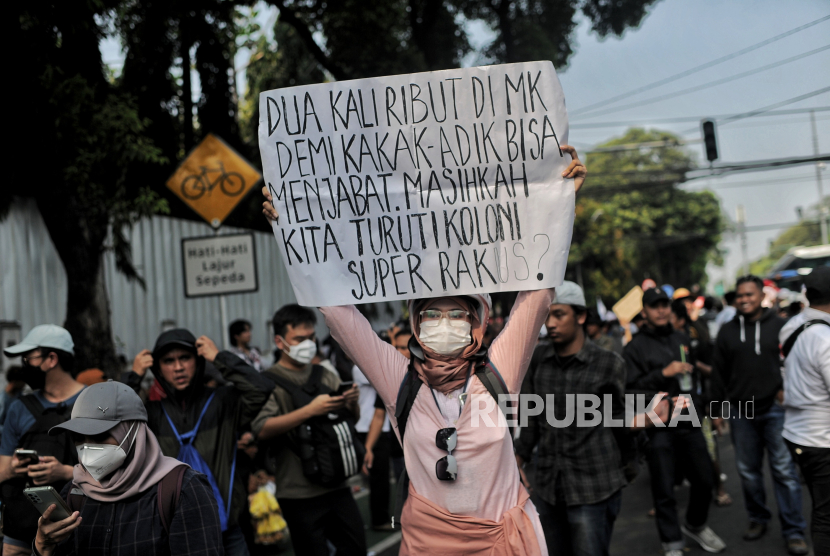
[(803, 234), (633, 221)]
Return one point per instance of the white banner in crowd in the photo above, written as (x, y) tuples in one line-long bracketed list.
[(421, 185)]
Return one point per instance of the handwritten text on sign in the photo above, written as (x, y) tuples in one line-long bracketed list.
[(420, 185)]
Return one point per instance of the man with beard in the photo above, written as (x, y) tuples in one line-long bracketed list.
[(199, 425), (48, 358), (659, 359), (578, 481)]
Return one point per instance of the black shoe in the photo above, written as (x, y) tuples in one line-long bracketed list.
[(797, 547), (755, 531)]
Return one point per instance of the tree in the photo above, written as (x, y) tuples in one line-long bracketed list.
[(633, 221), (804, 234), (381, 37), (84, 138)]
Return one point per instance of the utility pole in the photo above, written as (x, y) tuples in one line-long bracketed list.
[(740, 217), (822, 209)]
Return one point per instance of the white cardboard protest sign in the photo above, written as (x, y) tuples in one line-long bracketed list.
[(420, 185), (216, 265)]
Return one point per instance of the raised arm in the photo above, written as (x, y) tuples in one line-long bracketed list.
[(379, 361), (512, 349), (252, 386)]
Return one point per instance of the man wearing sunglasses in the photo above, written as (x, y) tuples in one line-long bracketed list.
[(48, 357)]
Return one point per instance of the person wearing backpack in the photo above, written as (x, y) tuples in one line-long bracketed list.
[(199, 425), (464, 490), (805, 342), (126, 498), (312, 446), (48, 358)]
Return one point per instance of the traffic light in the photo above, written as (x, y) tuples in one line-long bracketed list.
[(709, 141)]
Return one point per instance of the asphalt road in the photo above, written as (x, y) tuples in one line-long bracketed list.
[(635, 533)]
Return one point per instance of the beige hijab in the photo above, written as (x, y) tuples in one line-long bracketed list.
[(446, 373), (144, 467)]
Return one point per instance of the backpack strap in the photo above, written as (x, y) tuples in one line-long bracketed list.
[(492, 380), (33, 405), (790, 342), (309, 388), (75, 499), (169, 493), (407, 392)]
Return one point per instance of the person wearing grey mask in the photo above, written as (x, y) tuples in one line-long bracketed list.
[(118, 489)]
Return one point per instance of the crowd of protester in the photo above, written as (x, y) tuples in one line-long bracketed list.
[(197, 450), (244, 430)]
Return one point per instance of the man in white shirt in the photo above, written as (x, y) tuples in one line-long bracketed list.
[(807, 399), (378, 472)]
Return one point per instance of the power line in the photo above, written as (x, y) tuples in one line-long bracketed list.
[(703, 86), (758, 111), (755, 183), (700, 67), (683, 119)]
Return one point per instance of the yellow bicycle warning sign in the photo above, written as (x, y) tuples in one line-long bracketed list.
[(213, 179)]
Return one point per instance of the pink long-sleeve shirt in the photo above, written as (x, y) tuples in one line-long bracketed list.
[(488, 482)]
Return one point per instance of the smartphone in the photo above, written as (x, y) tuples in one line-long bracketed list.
[(27, 455), (43, 497), (343, 388)]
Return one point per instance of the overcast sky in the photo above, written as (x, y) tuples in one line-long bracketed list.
[(678, 35)]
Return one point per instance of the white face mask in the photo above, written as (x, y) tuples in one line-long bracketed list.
[(303, 352), (102, 459), (446, 338)]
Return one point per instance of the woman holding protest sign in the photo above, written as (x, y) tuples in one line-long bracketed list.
[(465, 494)]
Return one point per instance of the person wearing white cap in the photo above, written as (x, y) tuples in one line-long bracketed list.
[(48, 356), (126, 497), (580, 472), (464, 494)]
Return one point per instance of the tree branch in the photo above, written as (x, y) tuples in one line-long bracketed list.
[(305, 34)]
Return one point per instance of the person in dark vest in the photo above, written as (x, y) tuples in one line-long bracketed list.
[(48, 358), (199, 425), (126, 497)]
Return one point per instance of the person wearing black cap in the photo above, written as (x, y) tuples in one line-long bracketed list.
[(200, 425), (747, 375), (659, 360), (805, 342), (125, 495)]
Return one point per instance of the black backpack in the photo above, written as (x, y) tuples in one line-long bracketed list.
[(327, 445), (19, 515), (411, 385)]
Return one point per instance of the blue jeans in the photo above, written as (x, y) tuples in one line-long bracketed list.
[(750, 437), (583, 530), (234, 542)]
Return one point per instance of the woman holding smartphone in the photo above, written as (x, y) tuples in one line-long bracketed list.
[(465, 493), (126, 497)]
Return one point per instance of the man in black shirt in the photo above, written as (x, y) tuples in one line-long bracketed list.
[(748, 376), (659, 359)]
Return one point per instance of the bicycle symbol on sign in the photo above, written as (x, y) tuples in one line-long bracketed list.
[(194, 186)]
